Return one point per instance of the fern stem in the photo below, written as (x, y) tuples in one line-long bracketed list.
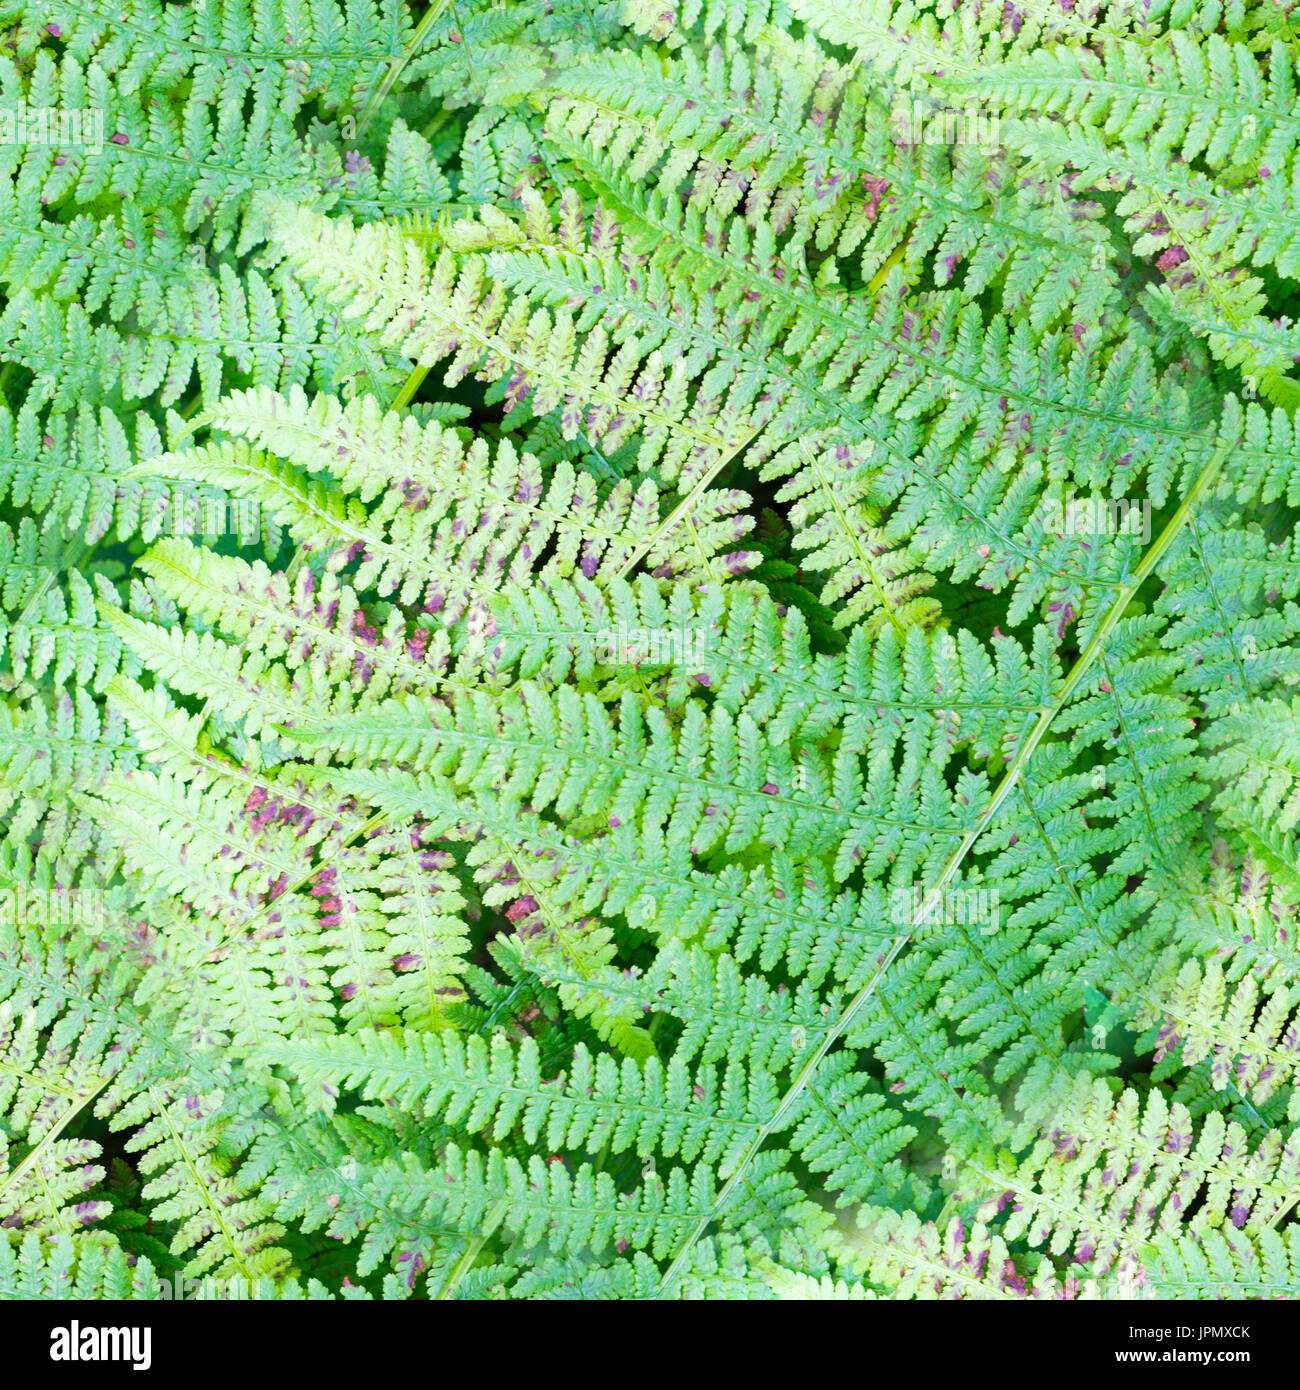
[(409, 387), (398, 65), (895, 256), (686, 506), (72, 559), (954, 861), (373, 823), (472, 1250), (216, 1209), (47, 1140), (1283, 1210)]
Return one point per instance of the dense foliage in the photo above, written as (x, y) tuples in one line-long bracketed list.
[(650, 649)]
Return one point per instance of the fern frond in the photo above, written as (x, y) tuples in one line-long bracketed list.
[(910, 1258), (1221, 1264), (454, 312), (1114, 1173)]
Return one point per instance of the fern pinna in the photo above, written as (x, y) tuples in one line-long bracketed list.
[(650, 651)]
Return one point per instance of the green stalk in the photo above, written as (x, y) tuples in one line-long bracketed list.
[(397, 66), (1011, 777), (682, 511), (472, 1249)]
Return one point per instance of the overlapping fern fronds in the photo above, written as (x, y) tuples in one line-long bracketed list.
[(650, 651)]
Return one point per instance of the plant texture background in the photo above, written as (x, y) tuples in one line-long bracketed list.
[(650, 649)]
